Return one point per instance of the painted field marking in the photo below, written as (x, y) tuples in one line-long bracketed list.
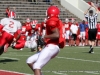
[(15, 72), (59, 73), (16, 55), (91, 72), (77, 59), (10, 58), (86, 47), (64, 72)]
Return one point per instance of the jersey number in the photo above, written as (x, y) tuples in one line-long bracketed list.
[(11, 25)]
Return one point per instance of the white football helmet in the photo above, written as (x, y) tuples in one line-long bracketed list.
[(28, 20), (66, 20)]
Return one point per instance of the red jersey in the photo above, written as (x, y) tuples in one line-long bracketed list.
[(38, 29), (43, 25), (29, 28), (51, 24), (67, 26), (22, 32), (98, 27)]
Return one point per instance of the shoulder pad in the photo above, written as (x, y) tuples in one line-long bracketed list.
[(51, 23)]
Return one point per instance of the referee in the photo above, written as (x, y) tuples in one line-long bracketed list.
[(92, 22)]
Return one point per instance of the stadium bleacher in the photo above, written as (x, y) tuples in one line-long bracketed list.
[(32, 10)]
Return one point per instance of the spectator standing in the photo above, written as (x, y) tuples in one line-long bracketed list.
[(92, 22), (74, 30), (82, 28), (98, 34), (67, 25)]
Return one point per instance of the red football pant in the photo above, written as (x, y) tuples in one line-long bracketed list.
[(6, 38), (20, 44)]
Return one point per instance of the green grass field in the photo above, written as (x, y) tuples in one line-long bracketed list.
[(70, 61)]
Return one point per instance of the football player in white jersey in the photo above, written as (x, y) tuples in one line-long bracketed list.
[(8, 26)]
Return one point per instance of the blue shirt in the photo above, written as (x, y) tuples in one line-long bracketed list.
[(83, 27)]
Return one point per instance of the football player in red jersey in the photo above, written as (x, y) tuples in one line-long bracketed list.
[(98, 34), (67, 25), (8, 26), (54, 39), (43, 27), (22, 42), (86, 35), (29, 28)]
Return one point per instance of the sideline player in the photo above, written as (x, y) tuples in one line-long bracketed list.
[(98, 34), (54, 40), (74, 31), (67, 25), (8, 26)]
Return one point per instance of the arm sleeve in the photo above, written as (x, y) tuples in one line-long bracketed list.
[(96, 15), (86, 16)]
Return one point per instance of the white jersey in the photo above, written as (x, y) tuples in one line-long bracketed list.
[(10, 25)]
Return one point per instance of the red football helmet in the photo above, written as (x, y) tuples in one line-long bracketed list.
[(12, 14), (53, 11), (34, 23)]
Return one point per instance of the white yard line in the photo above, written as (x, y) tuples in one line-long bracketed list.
[(16, 55), (91, 72), (59, 73), (15, 72), (10, 58), (86, 47), (77, 59), (64, 72)]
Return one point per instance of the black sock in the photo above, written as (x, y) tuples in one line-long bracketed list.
[(90, 46)]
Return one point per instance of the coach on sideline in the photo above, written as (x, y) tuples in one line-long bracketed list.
[(92, 22)]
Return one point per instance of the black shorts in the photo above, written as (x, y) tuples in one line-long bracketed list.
[(92, 34), (74, 36)]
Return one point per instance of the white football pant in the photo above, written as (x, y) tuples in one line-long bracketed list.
[(41, 58), (31, 44)]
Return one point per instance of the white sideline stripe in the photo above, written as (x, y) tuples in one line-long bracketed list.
[(59, 73), (77, 59), (15, 72), (16, 55), (92, 72), (10, 58), (63, 72), (87, 47)]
